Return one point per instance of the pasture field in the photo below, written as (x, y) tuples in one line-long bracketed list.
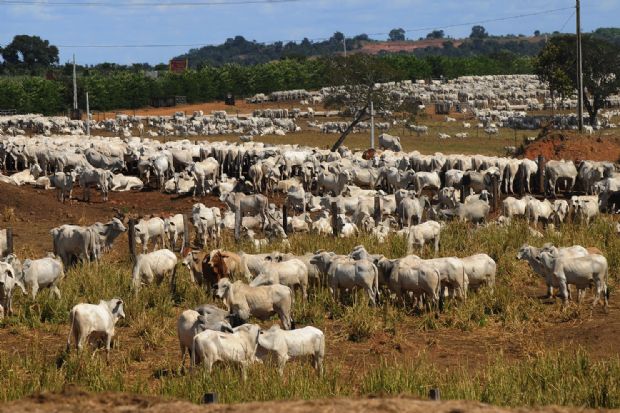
[(509, 347)]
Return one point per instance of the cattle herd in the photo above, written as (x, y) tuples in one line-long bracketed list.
[(384, 194)]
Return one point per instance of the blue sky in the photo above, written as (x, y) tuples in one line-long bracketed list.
[(93, 25)]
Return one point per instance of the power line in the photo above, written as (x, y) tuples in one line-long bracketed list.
[(141, 4)]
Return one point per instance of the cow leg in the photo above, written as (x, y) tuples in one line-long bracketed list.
[(35, 289), (56, 291), (108, 341)]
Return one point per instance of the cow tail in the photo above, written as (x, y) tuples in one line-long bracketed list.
[(606, 281), (71, 329)]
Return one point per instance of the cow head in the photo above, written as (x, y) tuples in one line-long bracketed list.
[(222, 288), (116, 308)]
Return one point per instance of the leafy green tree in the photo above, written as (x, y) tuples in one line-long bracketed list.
[(396, 35), (478, 32), (436, 34), (601, 68), (30, 53)]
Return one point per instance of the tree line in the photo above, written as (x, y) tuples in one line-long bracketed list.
[(133, 88)]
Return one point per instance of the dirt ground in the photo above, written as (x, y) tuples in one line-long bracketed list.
[(75, 401), (568, 145)]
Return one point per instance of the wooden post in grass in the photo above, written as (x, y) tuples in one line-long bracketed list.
[(541, 174), (185, 232), (377, 216), (209, 398), (131, 233), (9, 241), (522, 181), (335, 218), (434, 394), (238, 219), (285, 218), (495, 193)]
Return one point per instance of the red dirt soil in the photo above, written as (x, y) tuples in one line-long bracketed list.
[(76, 401), (570, 146)]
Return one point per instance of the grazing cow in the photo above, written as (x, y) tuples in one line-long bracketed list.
[(151, 230), (421, 233), (42, 273), (292, 273), (192, 322), (154, 266), (330, 182), (94, 320), (412, 208), (515, 207), (239, 347), (581, 272), (107, 233), (347, 274), (480, 270), (261, 302), (307, 341), (475, 211), (197, 264)]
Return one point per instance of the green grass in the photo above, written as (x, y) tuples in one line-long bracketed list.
[(146, 357)]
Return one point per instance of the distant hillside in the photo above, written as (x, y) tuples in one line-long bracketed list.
[(246, 52)]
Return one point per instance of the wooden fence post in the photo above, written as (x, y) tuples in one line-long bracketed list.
[(209, 398), (335, 218), (186, 236), (378, 214), (522, 181), (9, 241), (285, 218), (238, 219), (495, 194), (541, 174), (132, 238), (434, 394)]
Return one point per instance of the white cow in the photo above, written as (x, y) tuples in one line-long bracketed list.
[(307, 341), (292, 273), (480, 270), (421, 233), (239, 347), (174, 227), (43, 273), (94, 321), (151, 230), (154, 266), (192, 322), (206, 222)]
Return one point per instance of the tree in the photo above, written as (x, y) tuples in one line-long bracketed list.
[(30, 53), (436, 34), (396, 35), (537, 33), (354, 85), (478, 32), (601, 68), (338, 37)]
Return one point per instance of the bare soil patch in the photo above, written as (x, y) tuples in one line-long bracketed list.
[(571, 146)]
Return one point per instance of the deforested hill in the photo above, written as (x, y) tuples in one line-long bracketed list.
[(239, 50)]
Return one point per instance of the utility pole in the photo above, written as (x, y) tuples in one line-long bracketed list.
[(87, 116), (344, 44), (372, 125), (579, 70), (75, 103)]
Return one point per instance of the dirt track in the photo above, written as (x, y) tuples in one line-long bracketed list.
[(73, 401)]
